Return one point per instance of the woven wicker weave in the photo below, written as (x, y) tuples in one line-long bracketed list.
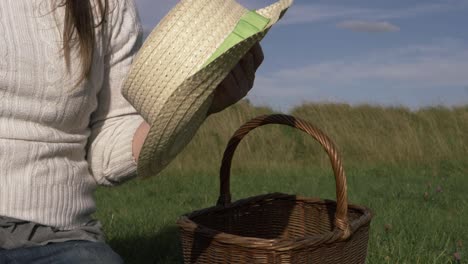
[(277, 228)]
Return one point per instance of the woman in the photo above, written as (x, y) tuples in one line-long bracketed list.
[(64, 125)]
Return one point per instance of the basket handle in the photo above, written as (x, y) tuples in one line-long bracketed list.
[(341, 219)]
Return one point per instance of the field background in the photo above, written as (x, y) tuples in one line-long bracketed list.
[(409, 167)]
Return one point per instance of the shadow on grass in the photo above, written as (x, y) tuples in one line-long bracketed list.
[(162, 247)]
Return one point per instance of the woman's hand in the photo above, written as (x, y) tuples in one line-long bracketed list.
[(238, 82)]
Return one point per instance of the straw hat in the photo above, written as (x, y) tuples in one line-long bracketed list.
[(182, 61)]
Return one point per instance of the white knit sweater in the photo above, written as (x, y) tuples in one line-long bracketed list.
[(57, 141)]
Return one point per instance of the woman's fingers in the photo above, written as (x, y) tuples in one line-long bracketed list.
[(257, 53), (248, 65), (239, 81), (243, 83), (227, 90)]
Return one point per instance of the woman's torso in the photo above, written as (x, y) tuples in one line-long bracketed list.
[(44, 119)]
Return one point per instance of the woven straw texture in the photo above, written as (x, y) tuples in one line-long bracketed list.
[(166, 83), (277, 228)]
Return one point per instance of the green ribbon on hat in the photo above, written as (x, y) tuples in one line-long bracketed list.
[(249, 24)]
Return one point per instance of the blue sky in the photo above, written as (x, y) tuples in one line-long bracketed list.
[(399, 52)]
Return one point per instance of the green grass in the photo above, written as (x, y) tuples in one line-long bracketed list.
[(139, 217), (391, 156)]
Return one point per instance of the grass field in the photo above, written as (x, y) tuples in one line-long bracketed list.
[(410, 168)]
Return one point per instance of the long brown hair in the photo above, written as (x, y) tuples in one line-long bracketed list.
[(79, 29)]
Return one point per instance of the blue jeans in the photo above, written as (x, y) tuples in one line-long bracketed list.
[(70, 252)]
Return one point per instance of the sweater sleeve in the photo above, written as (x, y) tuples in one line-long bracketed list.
[(115, 121)]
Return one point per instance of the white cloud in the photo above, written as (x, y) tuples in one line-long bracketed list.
[(441, 64), (302, 14), (368, 26), (311, 13), (412, 70), (152, 11)]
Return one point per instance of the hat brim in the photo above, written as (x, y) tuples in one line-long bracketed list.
[(187, 106)]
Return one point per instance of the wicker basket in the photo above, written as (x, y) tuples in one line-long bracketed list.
[(277, 228)]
